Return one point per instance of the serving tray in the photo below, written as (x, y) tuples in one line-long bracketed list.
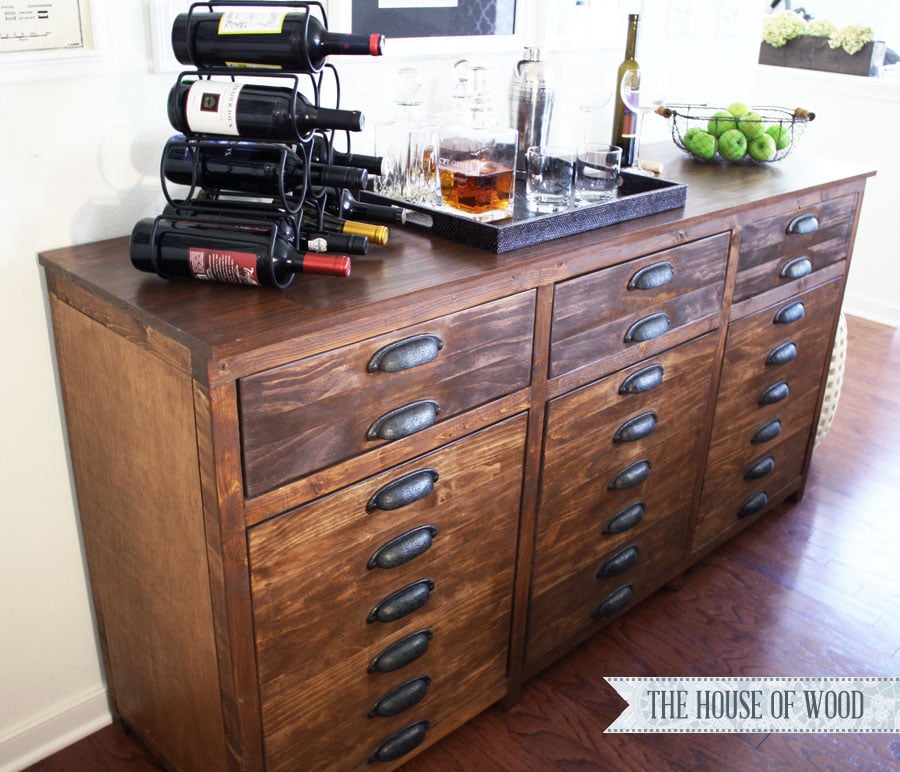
[(639, 195)]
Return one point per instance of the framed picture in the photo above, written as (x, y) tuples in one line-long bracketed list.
[(432, 27), (55, 38)]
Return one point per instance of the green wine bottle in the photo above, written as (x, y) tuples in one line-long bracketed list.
[(624, 133)]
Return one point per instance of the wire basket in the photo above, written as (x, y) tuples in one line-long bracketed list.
[(784, 125)]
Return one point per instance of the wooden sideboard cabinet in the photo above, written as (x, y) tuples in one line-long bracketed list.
[(328, 525)]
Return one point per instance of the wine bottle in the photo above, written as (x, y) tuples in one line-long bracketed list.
[(248, 167), (344, 204), (323, 153), (235, 255), (624, 133), (252, 111), (310, 239), (294, 42), (377, 234)]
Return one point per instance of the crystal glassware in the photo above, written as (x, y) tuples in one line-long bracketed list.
[(642, 91)]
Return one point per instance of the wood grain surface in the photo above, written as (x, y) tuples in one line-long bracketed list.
[(811, 590)]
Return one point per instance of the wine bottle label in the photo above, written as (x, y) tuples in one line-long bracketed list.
[(211, 107), (252, 66), (251, 23), (217, 265)]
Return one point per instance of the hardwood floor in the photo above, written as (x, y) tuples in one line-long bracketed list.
[(813, 589)]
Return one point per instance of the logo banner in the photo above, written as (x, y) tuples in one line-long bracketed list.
[(770, 705)]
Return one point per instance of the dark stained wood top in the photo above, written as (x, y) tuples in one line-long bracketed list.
[(231, 331)]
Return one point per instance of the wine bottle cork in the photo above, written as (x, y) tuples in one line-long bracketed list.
[(654, 167)]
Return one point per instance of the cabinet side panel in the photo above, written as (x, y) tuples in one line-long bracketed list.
[(130, 421)]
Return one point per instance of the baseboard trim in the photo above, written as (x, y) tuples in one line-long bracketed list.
[(872, 310), (47, 734)]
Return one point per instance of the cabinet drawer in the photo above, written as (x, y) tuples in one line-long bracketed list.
[(580, 447), (737, 443), (781, 249), (745, 484), (771, 366), (589, 508), (304, 416), (639, 306), (593, 588), (322, 616)]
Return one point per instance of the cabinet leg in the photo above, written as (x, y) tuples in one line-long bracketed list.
[(512, 697)]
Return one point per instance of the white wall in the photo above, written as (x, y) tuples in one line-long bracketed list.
[(76, 165), (79, 163)]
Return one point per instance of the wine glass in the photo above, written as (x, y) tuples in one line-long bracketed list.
[(595, 96), (642, 91)]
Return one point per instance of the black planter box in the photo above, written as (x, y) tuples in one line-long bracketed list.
[(813, 53)]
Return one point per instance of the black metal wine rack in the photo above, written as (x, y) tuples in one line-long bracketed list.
[(297, 208)]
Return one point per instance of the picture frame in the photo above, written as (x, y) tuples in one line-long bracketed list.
[(93, 55), (419, 27)]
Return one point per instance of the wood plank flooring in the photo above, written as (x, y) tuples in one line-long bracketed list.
[(811, 590)]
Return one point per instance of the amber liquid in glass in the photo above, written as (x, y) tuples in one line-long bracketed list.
[(476, 186)]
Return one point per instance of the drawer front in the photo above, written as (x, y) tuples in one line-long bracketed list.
[(639, 306), (768, 394), (304, 416), (773, 369), (440, 535), (746, 484), (782, 249), (588, 578), (597, 495)]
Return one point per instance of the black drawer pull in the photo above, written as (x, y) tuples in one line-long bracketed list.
[(637, 428), (402, 652), (653, 276), (625, 519), (621, 561), (631, 475), (768, 431), (400, 743), (403, 548), (796, 268), (774, 393), (648, 328), (792, 312), (406, 354), (804, 223), (404, 490), (752, 505), (760, 468), (404, 421), (781, 355), (402, 603), (614, 602), (402, 698), (643, 380)]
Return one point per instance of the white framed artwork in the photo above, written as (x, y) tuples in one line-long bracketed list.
[(433, 27), (54, 39)]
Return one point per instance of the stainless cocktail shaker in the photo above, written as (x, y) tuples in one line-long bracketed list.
[(531, 97)]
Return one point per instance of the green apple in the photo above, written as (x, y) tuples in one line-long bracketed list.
[(781, 135), (701, 143), (733, 145), (691, 132), (721, 122), (737, 109), (751, 124), (762, 148)]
